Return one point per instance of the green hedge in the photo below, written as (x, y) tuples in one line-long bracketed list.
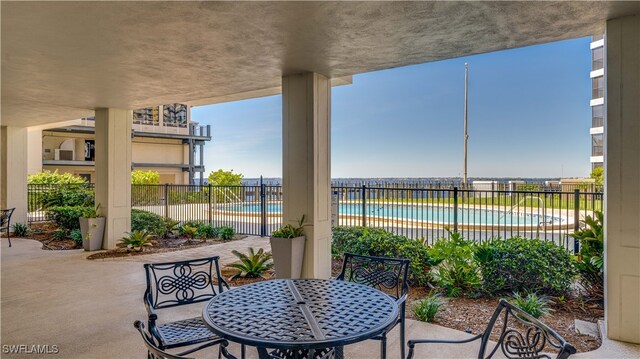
[(147, 221), (66, 217), (381, 243), (67, 195), (525, 265)]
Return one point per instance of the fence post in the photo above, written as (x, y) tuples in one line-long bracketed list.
[(210, 218), (364, 205), (166, 200), (263, 209), (576, 218), (455, 209)]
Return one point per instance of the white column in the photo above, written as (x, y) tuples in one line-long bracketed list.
[(34, 150), (622, 180), (113, 172), (306, 108), (13, 171)]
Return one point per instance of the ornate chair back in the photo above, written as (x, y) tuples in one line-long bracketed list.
[(521, 336), (5, 218), (388, 275), (181, 283)]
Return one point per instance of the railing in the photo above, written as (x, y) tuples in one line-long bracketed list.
[(424, 213), (597, 122)]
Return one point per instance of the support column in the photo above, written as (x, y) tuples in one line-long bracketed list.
[(13, 171), (306, 165), (622, 180), (113, 172)]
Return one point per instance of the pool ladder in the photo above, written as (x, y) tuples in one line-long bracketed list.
[(544, 210)]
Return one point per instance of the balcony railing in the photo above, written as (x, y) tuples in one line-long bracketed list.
[(597, 122), (597, 150), (597, 64), (597, 93)]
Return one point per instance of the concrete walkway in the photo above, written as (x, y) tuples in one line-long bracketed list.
[(86, 308)]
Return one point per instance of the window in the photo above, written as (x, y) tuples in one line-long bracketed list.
[(175, 115), (146, 116), (597, 148), (597, 57), (597, 116), (597, 87)]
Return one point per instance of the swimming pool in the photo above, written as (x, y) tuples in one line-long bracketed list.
[(422, 213)]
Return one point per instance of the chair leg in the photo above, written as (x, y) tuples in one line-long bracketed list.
[(383, 347), (402, 334), (243, 351), (8, 237)]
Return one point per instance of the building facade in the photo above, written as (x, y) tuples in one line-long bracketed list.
[(164, 139), (597, 101)]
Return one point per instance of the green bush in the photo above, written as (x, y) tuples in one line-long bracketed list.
[(76, 235), (145, 177), (59, 234), (149, 222), (226, 233), (427, 308), (521, 264), (590, 260), (20, 230), (136, 240), (381, 243), (48, 177), (67, 195), (66, 217), (457, 271), (533, 304)]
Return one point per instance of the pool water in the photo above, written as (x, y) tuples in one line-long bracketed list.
[(422, 212)]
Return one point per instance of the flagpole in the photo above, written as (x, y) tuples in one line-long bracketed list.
[(466, 135)]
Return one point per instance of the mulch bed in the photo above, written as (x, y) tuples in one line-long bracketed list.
[(162, 245), (473, 315), (43, 232)]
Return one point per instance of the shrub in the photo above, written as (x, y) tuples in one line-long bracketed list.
[(76, 235), (59, 234), (145, 177), (252, 265), (20, 230), (188, 231), (226, 233), (534, 305), (427, 308), (519, 264), (67, 195), (48, 177), (589, 262), (136, 240), (378, 242), (206, 231), (149, 222), (66, 217), (457, 271)]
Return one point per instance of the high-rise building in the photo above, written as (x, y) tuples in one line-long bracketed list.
[(597, 101), (164, 140)]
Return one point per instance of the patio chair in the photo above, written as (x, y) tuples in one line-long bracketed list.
[(528, 338), (5, 221), (183, 283), (386, 274), (152, 349)]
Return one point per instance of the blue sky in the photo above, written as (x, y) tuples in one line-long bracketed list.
[(529, 116)]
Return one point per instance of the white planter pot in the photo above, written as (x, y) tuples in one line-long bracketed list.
[(92, 231), (287, 256)]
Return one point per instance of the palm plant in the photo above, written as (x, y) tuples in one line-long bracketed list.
[(136, 240), (590, 260), (252, 265)]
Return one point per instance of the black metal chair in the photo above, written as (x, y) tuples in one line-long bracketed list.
[(5, 221), (183, 283), (388, 275), (152, 349), (528, 338)]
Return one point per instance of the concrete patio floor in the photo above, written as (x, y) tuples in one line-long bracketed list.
[(87, 308)]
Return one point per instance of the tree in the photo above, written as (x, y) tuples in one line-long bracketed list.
[(225, 178), (48, 177), (145, 177), (598, 175)]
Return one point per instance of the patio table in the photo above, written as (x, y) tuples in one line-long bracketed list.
[(300, 314)]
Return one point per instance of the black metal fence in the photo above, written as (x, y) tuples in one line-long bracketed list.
[(424, 213)]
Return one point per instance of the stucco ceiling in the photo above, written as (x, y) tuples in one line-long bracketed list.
[(60, 60)]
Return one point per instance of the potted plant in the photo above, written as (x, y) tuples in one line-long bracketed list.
[(287, 248), (92, 229)]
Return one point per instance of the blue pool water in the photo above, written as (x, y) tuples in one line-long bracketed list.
[(423, 212)]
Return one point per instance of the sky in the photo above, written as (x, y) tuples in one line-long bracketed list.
[(529, 116)]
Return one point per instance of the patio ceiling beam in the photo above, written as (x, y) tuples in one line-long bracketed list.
[(306, 166)]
